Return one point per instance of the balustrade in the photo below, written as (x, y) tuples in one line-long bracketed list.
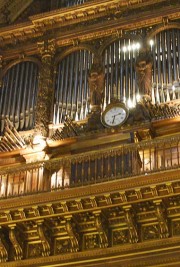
[(129, 160)]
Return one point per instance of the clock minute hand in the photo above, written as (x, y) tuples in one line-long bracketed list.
[(117, 114)]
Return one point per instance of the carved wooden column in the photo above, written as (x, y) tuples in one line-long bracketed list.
[(1, 65), (44, 106)]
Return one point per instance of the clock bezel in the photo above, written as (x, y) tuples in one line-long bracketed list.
[(109, 107)]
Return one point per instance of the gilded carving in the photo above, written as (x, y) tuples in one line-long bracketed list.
[(120, 237), (73, 239), (43, 114), (44, 242), (129, 219), (96, 83), (3, 251), (103, 240), (17, 250), (144, 73), (160, 213), (150, 232)]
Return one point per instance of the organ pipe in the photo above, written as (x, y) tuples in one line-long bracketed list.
[(119, 59), (166, 64), (72, 92), (18, 95)]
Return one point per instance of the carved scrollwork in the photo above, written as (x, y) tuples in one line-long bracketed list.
[(45, 244), (133, 235), (17, 250)]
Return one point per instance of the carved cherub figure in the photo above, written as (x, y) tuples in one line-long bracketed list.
[(96, 82)]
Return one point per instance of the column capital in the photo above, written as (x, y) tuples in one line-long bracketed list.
[(46, 48)]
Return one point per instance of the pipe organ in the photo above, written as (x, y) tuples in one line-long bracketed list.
[(68, 3), (18, 95), (71, 89), (89, 133), (20, 82), (119, 62), (166, 65)]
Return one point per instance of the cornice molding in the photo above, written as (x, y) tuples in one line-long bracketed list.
[(38, 27), (151, 253), (121, 185)]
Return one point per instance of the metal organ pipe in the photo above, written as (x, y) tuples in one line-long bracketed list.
[(70, 100), (166, 58), (168, 40), (18, 95), (71, 92), (164, 82), (25, 93), (116, 66), (174, 55), (119, 58)]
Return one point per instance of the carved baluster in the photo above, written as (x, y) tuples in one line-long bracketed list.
[(109, 166), (133, 235), (45, 98), (45, 244), (102, 167), (115, 164), (89, 169), (17, 250), (95, 168), (76, 171)]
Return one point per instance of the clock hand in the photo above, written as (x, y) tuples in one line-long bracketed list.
[(117, 114), (113, 119)]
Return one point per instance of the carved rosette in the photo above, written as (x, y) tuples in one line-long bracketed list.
[(44, 104)]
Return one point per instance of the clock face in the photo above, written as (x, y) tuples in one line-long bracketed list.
[(114, 116)]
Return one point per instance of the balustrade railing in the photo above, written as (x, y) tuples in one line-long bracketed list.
[(125, 161)]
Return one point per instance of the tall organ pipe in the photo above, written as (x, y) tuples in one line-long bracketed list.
[(168, 40), (66, 88), (25, 93), (121, 73), (76, 84), (10, 96), (29, 98), (18, 106), (178, 45), (116, 66), (112, 67), (61, 89), (18, 95), (126, 93), (174, 55)]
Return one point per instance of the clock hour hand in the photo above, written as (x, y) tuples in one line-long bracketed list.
[(113, 119)]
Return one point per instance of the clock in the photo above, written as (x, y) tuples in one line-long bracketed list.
[(114, 115)]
